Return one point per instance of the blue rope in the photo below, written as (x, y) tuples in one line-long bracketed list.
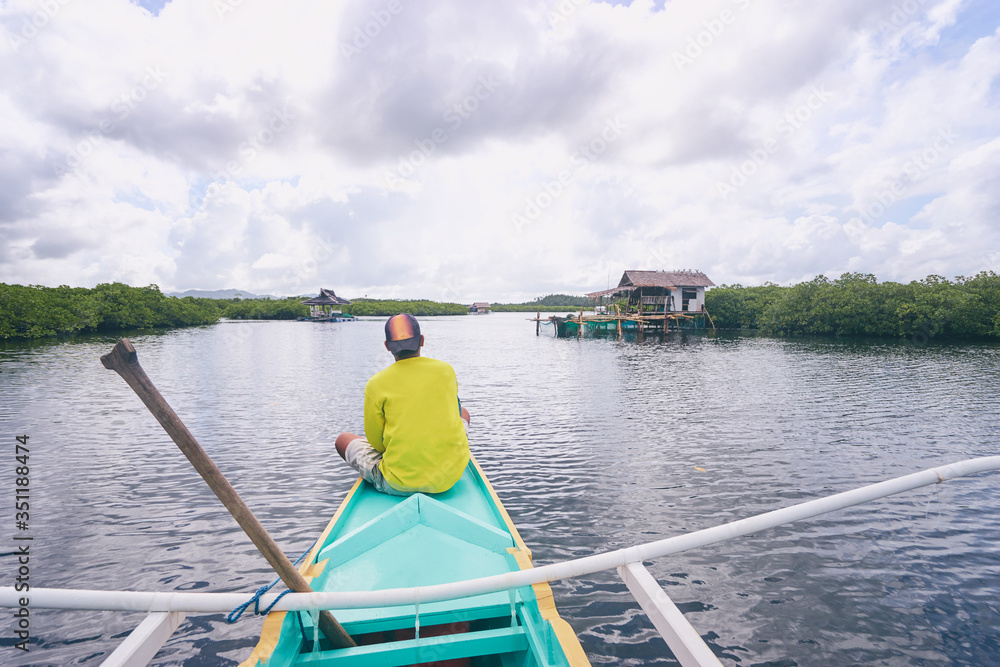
[(235, 614)]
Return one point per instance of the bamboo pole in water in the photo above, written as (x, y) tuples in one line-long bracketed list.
[(709, 316)]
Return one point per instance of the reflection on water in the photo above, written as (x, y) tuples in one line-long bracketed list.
[(592, 444)]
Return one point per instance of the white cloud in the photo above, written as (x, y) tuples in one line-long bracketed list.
[(462, 152)]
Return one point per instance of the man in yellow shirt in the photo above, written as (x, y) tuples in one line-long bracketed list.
[(415, 426)]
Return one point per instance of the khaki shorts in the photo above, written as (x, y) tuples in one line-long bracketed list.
[(364, 458)]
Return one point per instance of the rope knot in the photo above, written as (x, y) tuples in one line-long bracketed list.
[(235, 614)]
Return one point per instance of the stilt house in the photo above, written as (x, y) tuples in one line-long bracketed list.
[(480, 308), (327, 304), (651, 292)]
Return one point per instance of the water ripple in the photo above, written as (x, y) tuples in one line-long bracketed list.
[(592, 444)]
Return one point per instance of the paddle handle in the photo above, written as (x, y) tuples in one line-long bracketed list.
[(124, 361)]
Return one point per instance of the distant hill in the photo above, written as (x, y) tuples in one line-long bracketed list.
[(222, 294), (550, 302)]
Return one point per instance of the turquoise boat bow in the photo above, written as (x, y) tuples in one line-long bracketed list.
[(376, 541)]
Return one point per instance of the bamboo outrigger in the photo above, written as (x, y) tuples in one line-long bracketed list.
[(167, 609)]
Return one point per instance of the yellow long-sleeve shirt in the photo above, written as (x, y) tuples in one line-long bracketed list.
[(412, 416)]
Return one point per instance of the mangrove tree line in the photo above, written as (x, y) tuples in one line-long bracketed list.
[(857, 304), (34, 311)]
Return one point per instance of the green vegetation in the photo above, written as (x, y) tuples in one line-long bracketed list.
[(853, 305), (416, 307), (858, 305), (549, 303), (738, 307), (35, 311), (265, 309)]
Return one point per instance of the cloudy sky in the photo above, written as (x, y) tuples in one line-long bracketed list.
[(495, 150)]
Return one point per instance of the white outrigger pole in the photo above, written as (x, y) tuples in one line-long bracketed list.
[(167, 608)]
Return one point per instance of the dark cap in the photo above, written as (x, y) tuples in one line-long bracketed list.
[(402, 333)]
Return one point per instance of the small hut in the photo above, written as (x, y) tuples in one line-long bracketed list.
[(643, 300), (326, 305), (480, 308), (661, 291)]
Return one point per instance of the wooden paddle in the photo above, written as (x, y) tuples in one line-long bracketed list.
[(124, 361)]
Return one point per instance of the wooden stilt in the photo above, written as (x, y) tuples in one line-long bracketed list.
[(709, 316), (538, 322)]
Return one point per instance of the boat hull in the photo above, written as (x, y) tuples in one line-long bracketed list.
[(376, 541)]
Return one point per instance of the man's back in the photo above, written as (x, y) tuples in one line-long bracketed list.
[(412, 415)]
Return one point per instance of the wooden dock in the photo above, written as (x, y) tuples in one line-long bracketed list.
[(572, 326)]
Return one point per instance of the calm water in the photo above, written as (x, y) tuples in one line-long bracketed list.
[(592, 444)]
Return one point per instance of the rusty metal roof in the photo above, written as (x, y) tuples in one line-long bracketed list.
[(613, 290)]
